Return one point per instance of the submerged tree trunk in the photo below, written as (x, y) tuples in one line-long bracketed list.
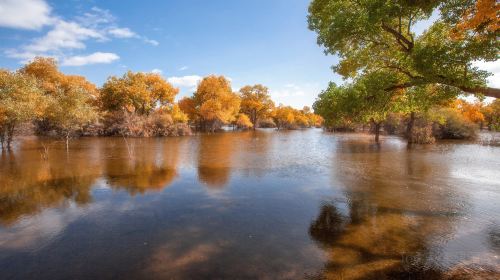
[(67, 142), (2, 137), (376, 129), (409, 128), (10, 134)]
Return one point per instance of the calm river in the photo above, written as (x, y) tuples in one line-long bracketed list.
[(239, 205)]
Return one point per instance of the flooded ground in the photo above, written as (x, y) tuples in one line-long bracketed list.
[(238, 205)]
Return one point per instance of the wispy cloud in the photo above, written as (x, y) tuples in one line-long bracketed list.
[(122, 33), (157, 71), (183, 68), (189, 82), (64, 36), (288, 90), (151, 42), (95, 58)]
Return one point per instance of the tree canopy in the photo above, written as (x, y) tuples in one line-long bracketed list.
[(378, 36), (256, 102), (213, 104), (137, 92)]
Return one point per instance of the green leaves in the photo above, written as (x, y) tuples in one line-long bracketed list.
[(378, 35)]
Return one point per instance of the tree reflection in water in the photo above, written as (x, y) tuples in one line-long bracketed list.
[(393, 227), (150, 166), (215, 153), (28, 185)]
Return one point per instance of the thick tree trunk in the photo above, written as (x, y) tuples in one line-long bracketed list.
[(409, 128), (10, 134), (376, 128)]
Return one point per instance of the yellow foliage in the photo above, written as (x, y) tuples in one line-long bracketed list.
[(244, 121), (471, 111), (214, 102), (137, 92), (256, 102)]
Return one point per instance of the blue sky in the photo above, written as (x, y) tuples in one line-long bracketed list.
[(257, 41), (249, 41)]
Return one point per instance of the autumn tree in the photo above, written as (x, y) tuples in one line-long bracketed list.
[(72, 100), (256, 103), (378, 36), (69, 110), (284, 117), (45, 70), (471, 111), (213, 104), (21, 100), (243, 121), (137, 92), (491, 114)]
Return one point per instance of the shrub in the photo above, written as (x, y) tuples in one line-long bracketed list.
[(157, 123), (450, 124)]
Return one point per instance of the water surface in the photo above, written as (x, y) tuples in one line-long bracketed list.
[(238, 205)]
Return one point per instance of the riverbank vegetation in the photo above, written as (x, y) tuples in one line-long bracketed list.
[(398, 75), (136, 104)]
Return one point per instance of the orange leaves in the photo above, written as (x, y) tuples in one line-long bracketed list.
[(214, 100), (256, 102), (471, 111), (243, 121), (483, 19), (138, 92)]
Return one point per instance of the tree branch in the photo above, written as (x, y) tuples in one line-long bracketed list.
[(402, 40), (486, 91)]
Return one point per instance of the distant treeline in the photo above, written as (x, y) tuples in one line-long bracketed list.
[(136, 104)]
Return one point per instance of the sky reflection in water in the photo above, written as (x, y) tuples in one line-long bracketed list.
[(265, 204)]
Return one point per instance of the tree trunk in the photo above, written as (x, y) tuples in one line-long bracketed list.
[(2, 136), (376, 127), (487, 91), (10, 134), (409, 128), (67, 142)]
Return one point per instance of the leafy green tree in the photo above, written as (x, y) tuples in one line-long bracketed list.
[(378, 36), (21, 100), (256, 103)]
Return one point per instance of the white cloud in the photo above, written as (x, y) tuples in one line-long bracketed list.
[(492, 67), (96, 18), (95, 58), (157, 71), (122, 33), (185, 81), (24, 14), (183, 68), (295, 95), (289, 90), (65, 36), (151, 42)]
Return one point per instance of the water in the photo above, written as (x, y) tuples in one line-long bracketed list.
[(237, 205)]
